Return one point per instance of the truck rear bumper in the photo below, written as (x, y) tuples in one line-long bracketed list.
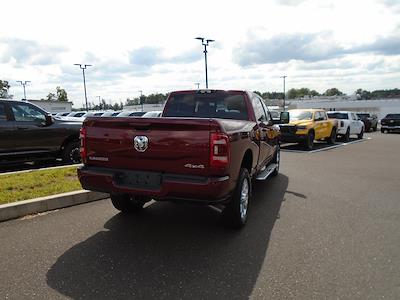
[(159, 186)]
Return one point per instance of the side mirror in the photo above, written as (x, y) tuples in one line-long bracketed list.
[(284, 119), (49, 120)]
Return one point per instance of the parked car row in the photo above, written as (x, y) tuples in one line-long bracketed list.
[(80, 116), (308, 125)]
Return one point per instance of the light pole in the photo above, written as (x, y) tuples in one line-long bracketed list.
[(83, 67), (99, 102), (284, 92), (198, 84), (140, 99), (23, 83), (205, 53)]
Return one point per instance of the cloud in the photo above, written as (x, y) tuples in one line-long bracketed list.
[(389, 45), (286, 47), (150, 56), (29, 52), (392, 4), (307, 47), (290, 2)]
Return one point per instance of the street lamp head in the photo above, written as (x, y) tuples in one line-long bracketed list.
[(210, 41), (77, 64), (200, 38), (87, 65)]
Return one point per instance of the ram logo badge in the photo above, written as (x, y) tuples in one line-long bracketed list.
[(140, 143)]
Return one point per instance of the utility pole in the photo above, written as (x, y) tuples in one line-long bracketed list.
[(205, 53), (284, 92), (83, 67), (23, 83)]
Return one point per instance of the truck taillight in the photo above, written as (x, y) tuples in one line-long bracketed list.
[(219, 150), (82, 137)]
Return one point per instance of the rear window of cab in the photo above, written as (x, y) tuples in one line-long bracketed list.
[(222, 105)]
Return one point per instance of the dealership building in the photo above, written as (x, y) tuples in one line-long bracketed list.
[(53, 106)]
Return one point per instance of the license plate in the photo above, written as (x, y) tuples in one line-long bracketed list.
[(141, 180)]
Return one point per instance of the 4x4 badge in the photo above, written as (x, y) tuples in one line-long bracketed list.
[(140, 143)]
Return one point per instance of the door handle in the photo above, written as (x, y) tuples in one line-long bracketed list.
[(21, 127)]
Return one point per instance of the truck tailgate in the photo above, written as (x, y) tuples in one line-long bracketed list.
[(175, 145)]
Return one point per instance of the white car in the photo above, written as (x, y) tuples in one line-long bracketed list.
[(152, 114), (348, 124)]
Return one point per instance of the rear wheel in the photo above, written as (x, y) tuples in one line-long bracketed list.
[(71, 153), (361, 134), (375, 127), (128, 204), (332, 138), (346, 137), (235, 213)]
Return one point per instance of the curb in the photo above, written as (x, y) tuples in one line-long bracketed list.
[(22, 208)]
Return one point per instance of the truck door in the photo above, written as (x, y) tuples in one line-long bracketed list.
[(29, 134), (355, 124), (266, 150), (6, 130), (319, 125)]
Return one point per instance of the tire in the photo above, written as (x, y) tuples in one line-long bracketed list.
[(235, 213), (127, 203), (71, 153), (346, 137), (309, 142), (332, 138), (375, 128), (277, 160), (361, 134), (382, 130)]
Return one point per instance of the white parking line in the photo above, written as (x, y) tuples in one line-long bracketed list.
[(32, 170), (327, 148)]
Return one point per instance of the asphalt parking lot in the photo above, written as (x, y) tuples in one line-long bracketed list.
[(326, 228)]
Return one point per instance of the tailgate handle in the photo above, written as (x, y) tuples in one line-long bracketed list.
[(145, 126)]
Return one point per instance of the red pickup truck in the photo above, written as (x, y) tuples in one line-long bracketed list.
[(207, 147)]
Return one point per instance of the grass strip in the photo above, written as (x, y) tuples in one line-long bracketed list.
[(24, 186)]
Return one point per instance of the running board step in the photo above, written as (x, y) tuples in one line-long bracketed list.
[(266, 172)]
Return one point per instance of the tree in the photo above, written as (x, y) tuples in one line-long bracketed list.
[(61, 95), (292, 93), (333, 92), (4, 87), (51, 97)]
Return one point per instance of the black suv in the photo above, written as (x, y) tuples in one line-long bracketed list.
[(390, 123), (369, 120), (28, 133)]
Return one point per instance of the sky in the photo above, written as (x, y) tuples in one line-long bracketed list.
[(150, 46)]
